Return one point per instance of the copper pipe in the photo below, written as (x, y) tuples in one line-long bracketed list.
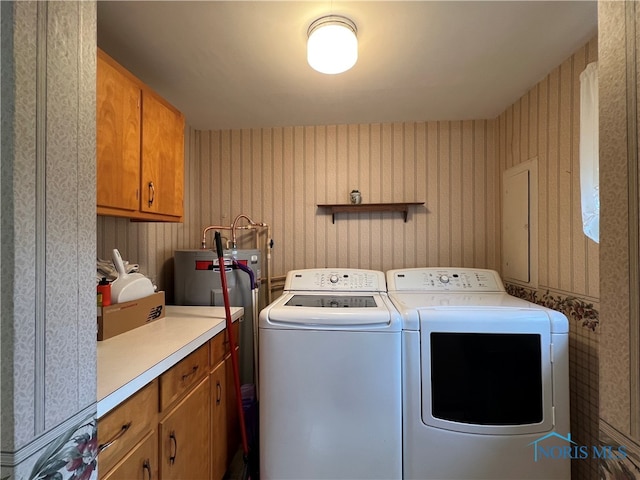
[(234, 225), (211, 227), (234, 243)]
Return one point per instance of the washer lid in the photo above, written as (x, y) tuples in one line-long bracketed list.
[(331, 311), (332, 301)]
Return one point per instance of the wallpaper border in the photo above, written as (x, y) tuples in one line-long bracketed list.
[(616, 468), (573, 307), (13, 459)]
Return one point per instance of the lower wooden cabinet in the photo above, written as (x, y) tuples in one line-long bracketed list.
[(181, 426), (141, 463), (185, 438)]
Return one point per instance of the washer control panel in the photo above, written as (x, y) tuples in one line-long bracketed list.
[(327, 279), (444, 280)]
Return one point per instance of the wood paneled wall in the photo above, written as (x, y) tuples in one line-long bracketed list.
[(279, 175), (545, 123)]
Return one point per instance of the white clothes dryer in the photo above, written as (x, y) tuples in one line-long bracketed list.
[(330, 378), (485, 379)]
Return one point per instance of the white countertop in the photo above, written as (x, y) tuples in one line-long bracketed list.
[(129, 361)]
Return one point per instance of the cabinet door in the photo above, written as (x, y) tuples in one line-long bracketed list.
[(162, 157), (218, 422), (117, 137), (141, 463), (185, 437)]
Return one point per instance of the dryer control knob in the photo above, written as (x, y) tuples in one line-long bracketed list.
[(444, 278), (333, 279)]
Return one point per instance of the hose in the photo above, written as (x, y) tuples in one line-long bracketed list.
[(254, 314)]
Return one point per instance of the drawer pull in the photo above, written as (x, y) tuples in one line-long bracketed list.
[(172, 437), (146, 467), (152, 193), (187, 375), (218, 393), (113, 439)]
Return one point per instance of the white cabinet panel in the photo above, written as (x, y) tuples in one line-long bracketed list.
[(519, 223)]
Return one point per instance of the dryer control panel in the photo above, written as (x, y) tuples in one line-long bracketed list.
[(444, 280), (328, 279)]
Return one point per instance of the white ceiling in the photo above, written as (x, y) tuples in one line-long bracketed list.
[(241, 64)]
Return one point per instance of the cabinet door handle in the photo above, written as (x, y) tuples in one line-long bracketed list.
[(152, 193), (115, 438), (146, 467), (174, 441), (187, 375), (218, 393)]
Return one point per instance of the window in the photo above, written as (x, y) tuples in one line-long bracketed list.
[(589, 160)]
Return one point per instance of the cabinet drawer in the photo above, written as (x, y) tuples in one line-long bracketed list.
[(220, 344), (141, 463), (122, 428), (182, 376)]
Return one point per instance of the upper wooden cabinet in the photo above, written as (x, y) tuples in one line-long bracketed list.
[(162, 157), (140, 148), (118, 100)]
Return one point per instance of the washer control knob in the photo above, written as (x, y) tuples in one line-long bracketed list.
[(444, 278), (333, 278)]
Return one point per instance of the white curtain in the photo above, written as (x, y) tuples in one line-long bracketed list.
[(589, 183)]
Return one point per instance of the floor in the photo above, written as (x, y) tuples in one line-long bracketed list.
[(237, 470)]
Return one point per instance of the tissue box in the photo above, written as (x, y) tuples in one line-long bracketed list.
[(122, 317)]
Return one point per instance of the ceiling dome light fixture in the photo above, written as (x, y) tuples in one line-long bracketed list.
[(332, 46)]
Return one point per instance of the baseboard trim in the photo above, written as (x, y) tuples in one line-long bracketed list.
[(13, 459), (628, 467)]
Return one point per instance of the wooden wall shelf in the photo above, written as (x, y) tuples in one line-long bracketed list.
[(368, 207)]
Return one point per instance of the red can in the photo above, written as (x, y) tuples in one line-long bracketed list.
[(104, 292)]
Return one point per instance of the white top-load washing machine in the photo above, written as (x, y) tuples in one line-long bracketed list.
[(330, 378), (485, 379)]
